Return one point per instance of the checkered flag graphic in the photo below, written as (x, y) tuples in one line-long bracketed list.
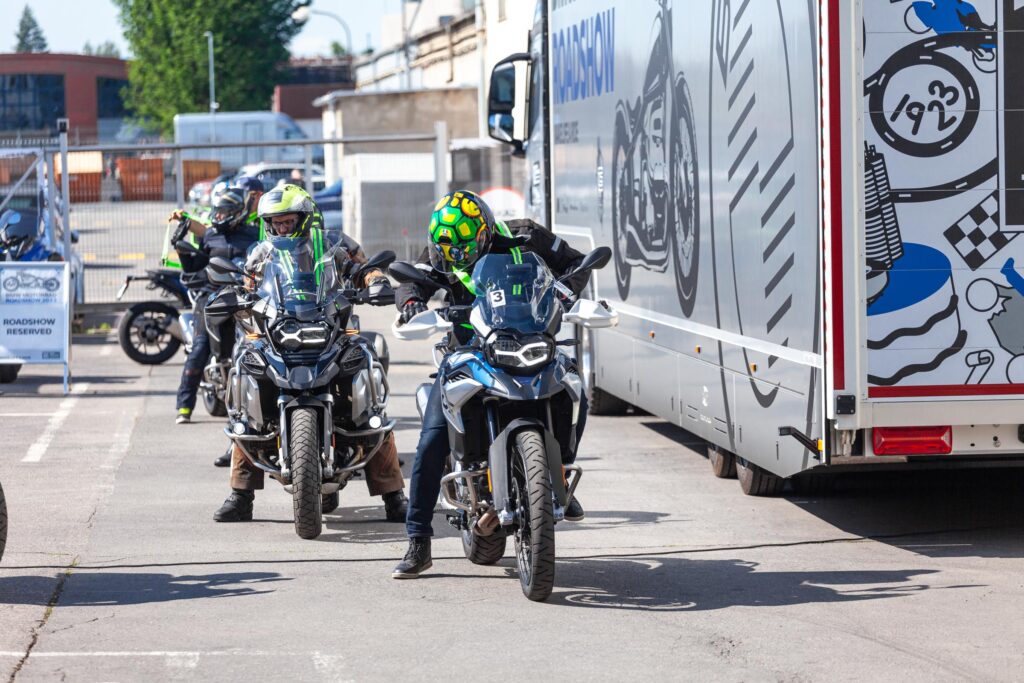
[(976, 236)]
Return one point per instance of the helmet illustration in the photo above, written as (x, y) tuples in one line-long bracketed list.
[(282, 201), (460, 231), (229, 210)]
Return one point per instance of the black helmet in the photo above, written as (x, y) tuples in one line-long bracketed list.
[(250, 187), (229, 210)]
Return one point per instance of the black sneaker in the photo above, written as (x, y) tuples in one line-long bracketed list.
[(237, 507), (396, 505), (417, 559), (574, 511), (224, 460)]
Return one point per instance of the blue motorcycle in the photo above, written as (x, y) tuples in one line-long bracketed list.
[(511, 397)]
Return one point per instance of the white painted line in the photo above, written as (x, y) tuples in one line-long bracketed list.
[(37, 450), (185, 654), (107, 350), (25, 414)]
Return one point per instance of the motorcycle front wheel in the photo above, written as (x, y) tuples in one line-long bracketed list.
[(143, 333), (3, 522), (535, 533), (307, 475)]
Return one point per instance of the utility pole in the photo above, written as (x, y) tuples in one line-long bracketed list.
[(213, 90)]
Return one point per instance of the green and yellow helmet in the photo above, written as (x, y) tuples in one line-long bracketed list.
[(460, 231), (284, 200)]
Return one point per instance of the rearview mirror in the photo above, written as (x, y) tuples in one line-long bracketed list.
[(381, 259), (501, 101), (408, 274), (595, 260), (221, 265)]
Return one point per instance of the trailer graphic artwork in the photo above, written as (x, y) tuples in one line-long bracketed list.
[(944, 193), (655, 174)]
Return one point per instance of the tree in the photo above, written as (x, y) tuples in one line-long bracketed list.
[(104, 49), (168, 73), (337, 49), (30, 36)]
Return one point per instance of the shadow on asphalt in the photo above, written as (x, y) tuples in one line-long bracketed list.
[(118, 588), (936, 513)]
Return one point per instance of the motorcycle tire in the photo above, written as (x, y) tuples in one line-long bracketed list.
[(621, 215), (535, 535), (307, 475), (484, 549), (9, 373), (214, 406), (330, 502), (3, 522), (128, 345)]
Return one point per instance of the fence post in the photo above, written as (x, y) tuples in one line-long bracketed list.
[(440, 159), (65, 185), (51, 189), (308, 173), (179, 178)]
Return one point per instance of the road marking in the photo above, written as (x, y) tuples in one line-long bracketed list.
[(107, 350), (132, 256), (38, 449), (88, 256), (185, 655), (25, 414)]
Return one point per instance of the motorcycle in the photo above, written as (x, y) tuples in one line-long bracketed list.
[(511, 397), (3, 522), (655, 174), (151, 332), (307, 395)]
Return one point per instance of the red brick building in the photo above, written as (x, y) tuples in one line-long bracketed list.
[(38, 88)]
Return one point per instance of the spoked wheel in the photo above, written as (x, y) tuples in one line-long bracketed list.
[(144, 335), (304, 448), (3, 522), (535, 533)]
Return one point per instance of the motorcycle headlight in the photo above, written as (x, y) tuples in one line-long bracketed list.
[(519, 353), (292, 335)]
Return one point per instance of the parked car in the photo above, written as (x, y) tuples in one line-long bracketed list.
[(270, 174), (199, 194), (329, 201)]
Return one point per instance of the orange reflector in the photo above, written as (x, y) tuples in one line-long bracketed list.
[(351, 332), (913, 440), (253, 335), (489, 487)]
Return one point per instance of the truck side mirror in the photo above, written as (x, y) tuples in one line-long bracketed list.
[(501, 101)]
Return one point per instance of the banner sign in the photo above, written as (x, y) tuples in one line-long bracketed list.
[(34, 312)]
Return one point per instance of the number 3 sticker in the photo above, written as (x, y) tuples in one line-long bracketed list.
[(496, 297)]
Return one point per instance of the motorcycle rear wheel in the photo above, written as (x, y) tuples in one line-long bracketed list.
[(307, 475), (131, 329), (214, 406), (535, 535), (3, 522), (484, 549)]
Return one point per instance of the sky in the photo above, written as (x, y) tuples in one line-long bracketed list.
[(96, 21)]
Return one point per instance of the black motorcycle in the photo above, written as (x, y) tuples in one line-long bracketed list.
[(511, 398), (655, 174), (307, 395)]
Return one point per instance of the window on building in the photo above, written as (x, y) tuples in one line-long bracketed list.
[(31, 102), (109, 98)]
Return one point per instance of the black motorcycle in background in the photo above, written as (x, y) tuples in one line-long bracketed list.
[(655, 174), (307, 394)]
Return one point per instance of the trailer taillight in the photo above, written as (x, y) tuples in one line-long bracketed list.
[(913, 440)]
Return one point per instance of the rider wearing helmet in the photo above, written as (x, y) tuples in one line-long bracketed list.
[(230, 234), (288, 211), (462, 229)]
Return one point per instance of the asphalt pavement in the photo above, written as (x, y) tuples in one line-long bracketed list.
[(115, 571)]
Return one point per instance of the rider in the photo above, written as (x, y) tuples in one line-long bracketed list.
[(231, 232), (289, 211), (462, 229)]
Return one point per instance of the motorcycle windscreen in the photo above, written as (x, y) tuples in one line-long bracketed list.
[(297, 275), (515, 292)]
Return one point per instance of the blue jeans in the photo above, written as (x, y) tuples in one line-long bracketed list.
[(196, 361), (428, 468)]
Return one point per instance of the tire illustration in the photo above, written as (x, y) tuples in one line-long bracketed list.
[(330, 502), (756, 481), (535, 534), (11, 284), (684, 208), (9, 372), (484, 549), (214, 406), (51, 284), (143, 333), (622, 204), (3, 522), (304, 448)]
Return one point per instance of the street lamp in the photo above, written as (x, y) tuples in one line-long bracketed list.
[(213, 90), (301, 16)]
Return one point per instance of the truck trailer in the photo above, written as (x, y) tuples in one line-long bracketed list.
[(813, 207)]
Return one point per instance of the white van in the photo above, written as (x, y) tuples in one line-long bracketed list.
[(239, 126)]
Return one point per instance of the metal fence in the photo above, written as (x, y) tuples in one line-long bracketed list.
[(119, 197)]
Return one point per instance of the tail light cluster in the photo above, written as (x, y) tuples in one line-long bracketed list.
[(913, 440)]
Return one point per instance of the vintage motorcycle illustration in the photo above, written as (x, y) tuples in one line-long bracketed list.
[(655, 187)]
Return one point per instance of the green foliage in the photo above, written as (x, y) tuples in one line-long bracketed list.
[(104, 49), (168, 72), (30, 37), (337, 49)]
